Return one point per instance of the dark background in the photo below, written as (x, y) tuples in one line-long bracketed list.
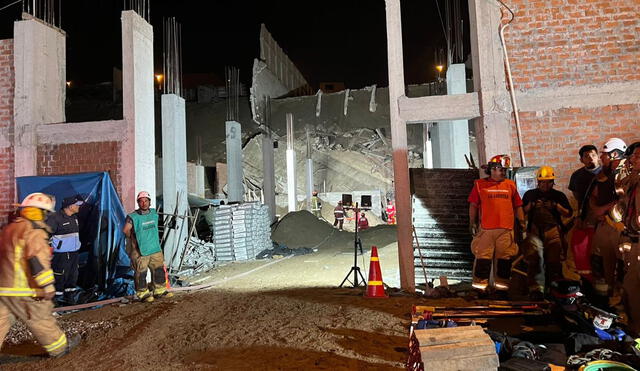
[(328, 40)]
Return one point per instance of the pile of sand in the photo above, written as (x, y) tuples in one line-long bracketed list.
[(303, 229)]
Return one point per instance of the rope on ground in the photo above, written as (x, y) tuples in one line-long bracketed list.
[(176, 289)]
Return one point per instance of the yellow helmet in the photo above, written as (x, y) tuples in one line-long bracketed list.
[(546, 173)]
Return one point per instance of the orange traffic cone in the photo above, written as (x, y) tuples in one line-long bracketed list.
[(375, 288), (166, 278)]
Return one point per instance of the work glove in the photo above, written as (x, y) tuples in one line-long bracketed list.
[(473, 229)]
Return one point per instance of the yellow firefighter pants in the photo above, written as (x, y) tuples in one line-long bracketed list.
[(487, 245), (543, 251), (36, 314), (140, 265)]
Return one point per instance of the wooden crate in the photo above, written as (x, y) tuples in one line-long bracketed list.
[(456, 349)]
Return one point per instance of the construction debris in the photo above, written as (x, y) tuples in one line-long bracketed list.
[(280, 250), (200, 258)]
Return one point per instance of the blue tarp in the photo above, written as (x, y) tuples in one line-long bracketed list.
[(104, 261)]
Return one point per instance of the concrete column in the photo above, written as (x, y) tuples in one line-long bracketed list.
[(427, 150), (309, 171), (399, 144), (174, 173), (269, 175), (235, 189), (452, 137), (309, 182), (138, 148), (40, 87), (291, 166), (493, 128), (199, 181), (291, 180), (195, 179)]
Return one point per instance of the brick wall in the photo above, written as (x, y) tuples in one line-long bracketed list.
[(7, 182), (57, 159), (573, 42), (554, 137), (555, 43)]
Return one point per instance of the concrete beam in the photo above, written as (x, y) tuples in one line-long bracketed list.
[(138, 171), (439, 108), (582, 96), (83, 132)]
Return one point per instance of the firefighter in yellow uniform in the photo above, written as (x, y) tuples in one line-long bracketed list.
[(26, 278)]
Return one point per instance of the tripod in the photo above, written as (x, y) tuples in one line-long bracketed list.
[(357, 244)]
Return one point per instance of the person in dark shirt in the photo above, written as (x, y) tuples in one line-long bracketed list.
[(65, 242), (581, 178), (545, 208)]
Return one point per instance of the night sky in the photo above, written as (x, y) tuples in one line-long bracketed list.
[(329, 40)]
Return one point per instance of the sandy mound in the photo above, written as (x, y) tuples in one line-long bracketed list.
[(302, 229)]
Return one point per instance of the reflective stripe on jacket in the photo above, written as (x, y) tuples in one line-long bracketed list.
[(20, 241)]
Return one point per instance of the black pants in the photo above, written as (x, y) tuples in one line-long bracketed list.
[(65, 270)]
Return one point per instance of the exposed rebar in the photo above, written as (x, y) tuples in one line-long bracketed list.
[(172, 56), (232, 77), (48, 11), (142, 7)]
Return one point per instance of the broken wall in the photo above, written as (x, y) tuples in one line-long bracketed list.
[(576, 70)]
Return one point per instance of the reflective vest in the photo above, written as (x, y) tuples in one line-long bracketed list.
[(25, 255), (338, 212), (496, 203), (145, 227), (315, 203), (391, 210)]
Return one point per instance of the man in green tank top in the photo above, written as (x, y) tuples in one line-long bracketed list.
[(143, 247)]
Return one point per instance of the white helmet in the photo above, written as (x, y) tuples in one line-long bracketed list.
[(614, 144), (39, 200), (143, 194)]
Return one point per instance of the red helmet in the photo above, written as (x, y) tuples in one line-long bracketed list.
[(500, 161)]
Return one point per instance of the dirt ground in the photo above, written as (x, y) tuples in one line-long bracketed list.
[(283, 313)]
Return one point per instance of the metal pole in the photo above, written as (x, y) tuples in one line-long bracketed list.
[(399, 145)]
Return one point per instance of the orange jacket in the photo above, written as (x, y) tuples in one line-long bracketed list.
[(496, 201), (25, 259)]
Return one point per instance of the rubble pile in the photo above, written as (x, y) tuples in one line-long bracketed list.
[(200, 258)]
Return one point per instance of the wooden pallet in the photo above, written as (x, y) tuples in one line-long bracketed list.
[(453, 349)]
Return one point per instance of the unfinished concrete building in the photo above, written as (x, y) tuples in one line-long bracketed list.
[(567, 69)]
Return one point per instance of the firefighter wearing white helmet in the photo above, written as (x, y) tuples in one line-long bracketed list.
[(543, 247), (143, 246), (26, 277), (602, 209)]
